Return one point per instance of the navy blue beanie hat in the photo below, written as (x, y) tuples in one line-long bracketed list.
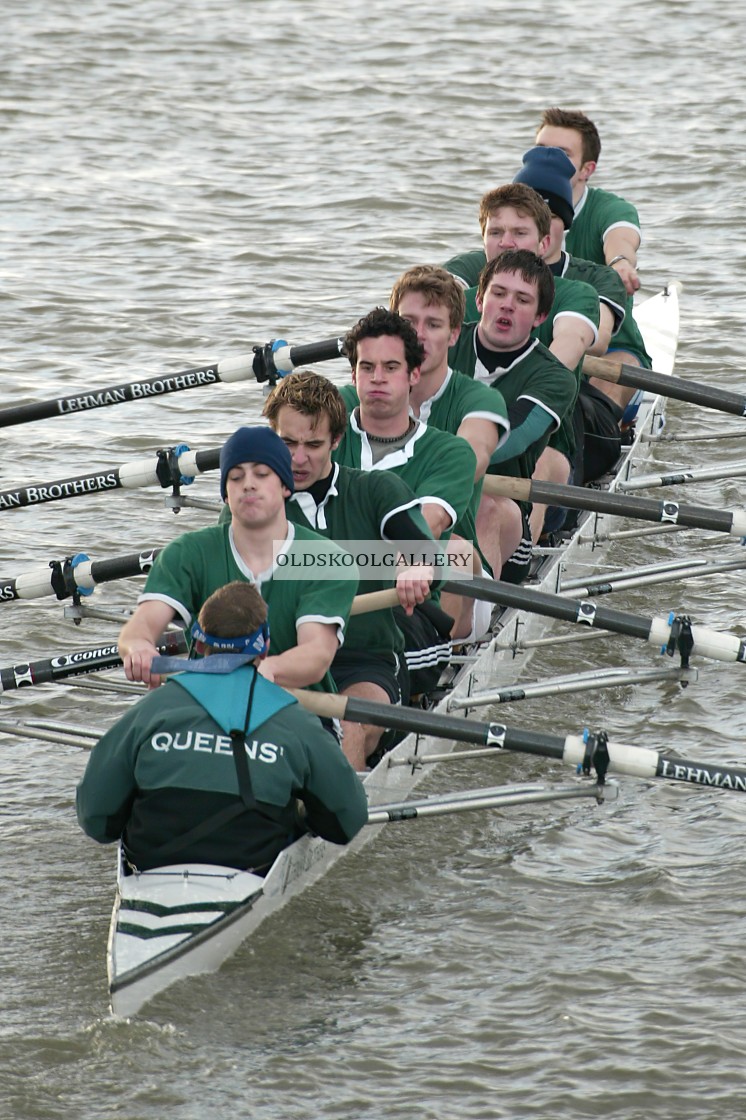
[(256, 445), (549, 171)]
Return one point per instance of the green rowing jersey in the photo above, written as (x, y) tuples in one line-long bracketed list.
[(437, 466), (460, 398), (466, 267), (357, 506), (606, 282), (168, 765), (572, 298), (598, 212), (195, 564), (611, 291), (596, 215), (535, 376)]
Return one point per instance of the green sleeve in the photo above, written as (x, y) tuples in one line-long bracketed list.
[(107, 789), (350, 397), (467, 266), (450, 475), (335, 801)]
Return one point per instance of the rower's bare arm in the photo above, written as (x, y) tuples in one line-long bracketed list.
[(306, 663), (605, 327), (482, 436), (138, 636), (623, 243), (438, 518), (571, 339)]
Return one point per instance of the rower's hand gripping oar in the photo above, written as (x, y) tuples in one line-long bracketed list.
[(585, 753)]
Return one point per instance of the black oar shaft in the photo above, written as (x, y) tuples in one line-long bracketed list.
[(656, 631), (451, 727), (325, 351), (553, 606), (620, 505), (680, 389), (76, 573), (573, 750), (74, 664), (146, 389), (123, 567)]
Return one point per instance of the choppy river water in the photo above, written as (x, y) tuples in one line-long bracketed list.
[(181, 180)]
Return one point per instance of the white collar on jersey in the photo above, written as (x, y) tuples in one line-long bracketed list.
[(262, 576), (316, 514)]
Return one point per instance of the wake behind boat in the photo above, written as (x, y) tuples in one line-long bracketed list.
[(179, 921)]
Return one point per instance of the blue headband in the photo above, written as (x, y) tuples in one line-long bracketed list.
[(255, 643)]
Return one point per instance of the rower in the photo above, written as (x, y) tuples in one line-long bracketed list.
[(208, 768), (514, 296), (515, 217), (382, 435), (606, 229), (308, 616), (308, 413), (597, 415), (432, 300)]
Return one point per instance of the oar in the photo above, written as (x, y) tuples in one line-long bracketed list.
[(574, 750), (496, 798), (663, 632), (75, 574), (95, 659), (669, 633), (679, 388), (98, 658), (167, 467), (681, 476), (264, 364), (621, 505)]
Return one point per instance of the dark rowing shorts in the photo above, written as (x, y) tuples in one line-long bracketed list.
[(516, 567), (427, 645), (601, 434), (387, 670)]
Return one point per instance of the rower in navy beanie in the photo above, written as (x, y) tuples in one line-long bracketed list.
[(256, 445), (549, 171)]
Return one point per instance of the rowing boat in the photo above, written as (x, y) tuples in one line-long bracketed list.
[(182, 920)]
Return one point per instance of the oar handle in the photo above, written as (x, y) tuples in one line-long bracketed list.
[(374, 601), (503, 486), (326, 705)]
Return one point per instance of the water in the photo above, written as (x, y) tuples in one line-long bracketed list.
[(180, 181)]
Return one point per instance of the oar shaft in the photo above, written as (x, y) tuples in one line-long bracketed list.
[(620, 505), (81, 573), (639, 762), (679, 388), (287, 358), (74, 664), (656, 631), (488, 799), (140, 472), (232, 369)]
